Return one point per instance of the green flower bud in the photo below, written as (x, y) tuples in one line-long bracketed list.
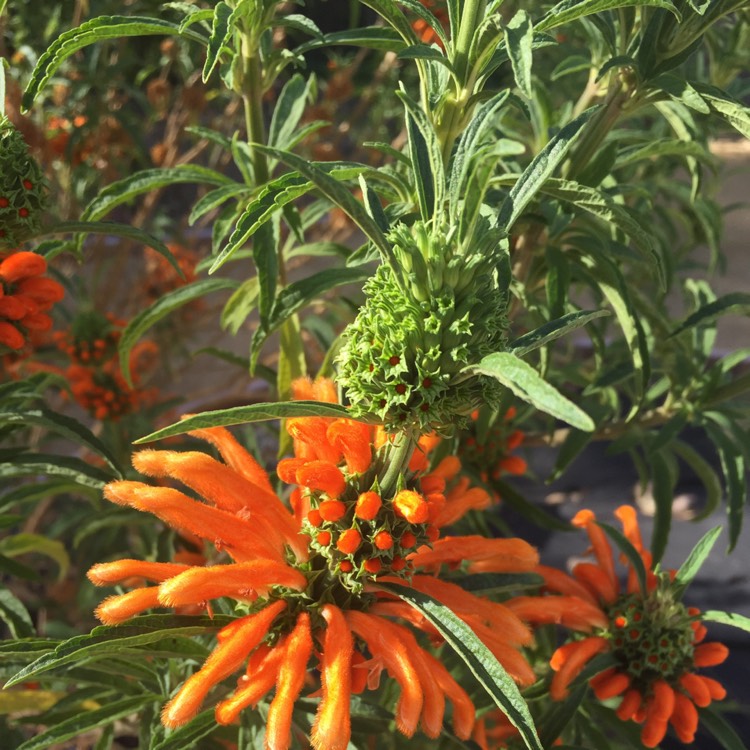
[(23, 191), (404, 357)]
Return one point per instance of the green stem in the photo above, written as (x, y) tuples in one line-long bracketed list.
[(472, 15), (397, 460)]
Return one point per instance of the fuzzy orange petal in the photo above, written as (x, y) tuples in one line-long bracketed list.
[(239, 580), (602, 549), (569, 611), (107, 574), (312, 433), (498, 555), (597, 581), (322, 475), (576, 656), (463, 709), (561, 583), (354, 441), (227, 657), (116, 609), (289, 683)]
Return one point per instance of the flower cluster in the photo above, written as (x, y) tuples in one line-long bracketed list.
[(26, 296), (95, 377), (161, 276), (406, 355), (23, 192), (62, 134), (301, 598), (656, 641)]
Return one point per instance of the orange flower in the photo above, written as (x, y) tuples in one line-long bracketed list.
[(305, 579), (491, 452), (654, 638)]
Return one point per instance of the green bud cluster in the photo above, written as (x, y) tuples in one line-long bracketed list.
[(405, 356), (23, 191)]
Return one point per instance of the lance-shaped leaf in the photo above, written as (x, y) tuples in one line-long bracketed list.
[(21, 544), (526, 383), (222, 27), (698, 555), (15, 615), (570, 10), (736, 302), (734, 112), (552, 330), (246, 414), (89, 32), (727, 618), (288, 111), (477, 657), (162, 307), (541, 167), (721, 729), (67, 467), (188, 735), (519, 36)]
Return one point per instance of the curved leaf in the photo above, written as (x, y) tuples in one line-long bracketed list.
[(552, 330)]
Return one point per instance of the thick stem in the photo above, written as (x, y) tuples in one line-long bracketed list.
[(397, 460), (472, 15)]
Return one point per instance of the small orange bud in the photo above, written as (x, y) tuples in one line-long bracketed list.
[(397, 564), (373, 565), (10, 336), (408, 540), (323, 538), (314, 517), (331, 510), (383, 540), (345, 566), (368, 505), (349, 541), (411, 506)]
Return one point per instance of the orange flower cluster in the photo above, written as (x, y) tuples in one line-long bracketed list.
[(95, 377), (161, 276), (58, 134), (25, 297), (491, 453), (304, 602), (656, 641)]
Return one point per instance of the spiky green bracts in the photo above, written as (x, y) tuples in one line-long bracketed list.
[(23, 191), (405, 356)]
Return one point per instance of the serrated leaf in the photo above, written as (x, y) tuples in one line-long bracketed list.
[(89, 32), (571, 10), (125, 639), (112, 229), (698, 555), (553, 329), (246, 414), (634, 558), (21, 544), (63, 425), (337, 194), (162, 307), (15, 615), (541, 167), (736, 302), (39, 464), (526, 383), (87, 721), (477, 657), (221, 33), (123, 191), (518, 40)]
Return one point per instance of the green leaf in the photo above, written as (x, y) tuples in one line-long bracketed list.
[(89, 32), (239, 306), (288, 111), (336, 193), (483, 665), (371, 37), (705, 473), (40, 464), (215, 198), (559, 715), (663, 483), (518, 38), (541, 167), (266, 261), (624, 545), (186, 736), (21, 544), (123, 191), (571, 10), (111, 228), (721, 729), (681, 91), (526, 383), (87, 721), (570, 449), (737, 302), (488, 584), (15, 615), (553, 329), (162, 307), (734, 112), (698, 555), (245, 414), (222, 29), (727, 618), (121, 640), (62, 425)]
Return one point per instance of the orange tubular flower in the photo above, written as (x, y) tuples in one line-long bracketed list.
[(654, 638), (305, 577)]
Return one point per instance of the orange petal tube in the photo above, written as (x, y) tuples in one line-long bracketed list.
[(289, 684), (354, 441), (392, 650), (561, 583), (710, 654), (116, 609), (227, 657), (240, 580), (332, 727), (313, 433), (570, 659), (569, 611), (492, 555), (224, 529), (597, 580), (463, 709), (107, 574), (684, 717), (323, 476), (602, 550)]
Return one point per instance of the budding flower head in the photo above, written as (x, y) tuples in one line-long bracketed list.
[(23, 191), (405, 356)]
